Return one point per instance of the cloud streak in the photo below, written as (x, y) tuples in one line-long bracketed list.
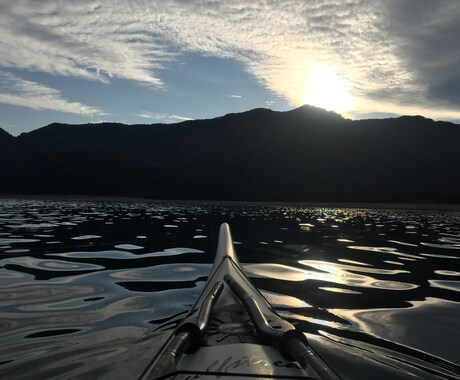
[(162, 117), (391, 53), (19, 92)]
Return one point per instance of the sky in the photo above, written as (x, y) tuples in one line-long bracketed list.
[(165, 61)]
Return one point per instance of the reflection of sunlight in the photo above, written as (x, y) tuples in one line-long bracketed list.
[(277, 271), (339, 290), (277, 300), (325, 89), (445, 284), (317, 321), (388, 250), (329, 272), (344, 275), (407, 326)]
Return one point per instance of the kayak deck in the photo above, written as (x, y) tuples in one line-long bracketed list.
[(239, 360), (233, 332)]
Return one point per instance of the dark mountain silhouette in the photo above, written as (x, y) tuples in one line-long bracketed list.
[(306, 154), (4, 135)]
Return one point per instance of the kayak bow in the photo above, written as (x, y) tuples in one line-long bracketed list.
[(233, 331)]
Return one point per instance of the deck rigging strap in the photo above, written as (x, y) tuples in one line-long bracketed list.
[(292, 344), (189, 335)]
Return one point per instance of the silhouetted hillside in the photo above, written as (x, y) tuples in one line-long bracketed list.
[(4, 135), (306, 154)]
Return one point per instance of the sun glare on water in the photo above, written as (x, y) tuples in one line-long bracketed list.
[(325, 89)]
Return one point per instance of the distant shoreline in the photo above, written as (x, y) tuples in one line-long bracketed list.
[(350, 205)]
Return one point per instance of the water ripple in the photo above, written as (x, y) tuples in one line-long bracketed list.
[(50, 265), (376, 291), (388, 250)]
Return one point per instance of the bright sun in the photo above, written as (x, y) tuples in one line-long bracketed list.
[(325, 89)]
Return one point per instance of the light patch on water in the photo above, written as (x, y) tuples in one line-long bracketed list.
[(24, 250), (120, 255), (51, 265), (164, 272), (306, 226), (86, 237), (335, 267), (345, 241), (402, 243), (123, 255), (129, 247), (316, 321), (182, 250), (447, 272), (141, 237), (31, 297), (406, 258), (450, 239), (409, 325), (329, 272), (33, 225), (442, 246), (282, 300), (445, 284), (389, 250), (170, 226), (8, 241), (200, 237), (393, 285), (440, 256), (344, 275), (277, 271), (373, 249), (340, 290), (353, 262), (6, 274), (393, 262)]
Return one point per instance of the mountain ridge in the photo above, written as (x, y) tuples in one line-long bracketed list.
[(306, 155)]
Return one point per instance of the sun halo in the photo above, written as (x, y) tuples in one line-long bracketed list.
[(324, 88)]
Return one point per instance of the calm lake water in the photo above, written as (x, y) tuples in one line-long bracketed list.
[(87, 288)]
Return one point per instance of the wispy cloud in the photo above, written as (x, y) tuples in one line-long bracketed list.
[(92, 40), (162, 117), (19, 92), (390, 52)]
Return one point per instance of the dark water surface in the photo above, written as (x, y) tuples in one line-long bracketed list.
[(86, 288)]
